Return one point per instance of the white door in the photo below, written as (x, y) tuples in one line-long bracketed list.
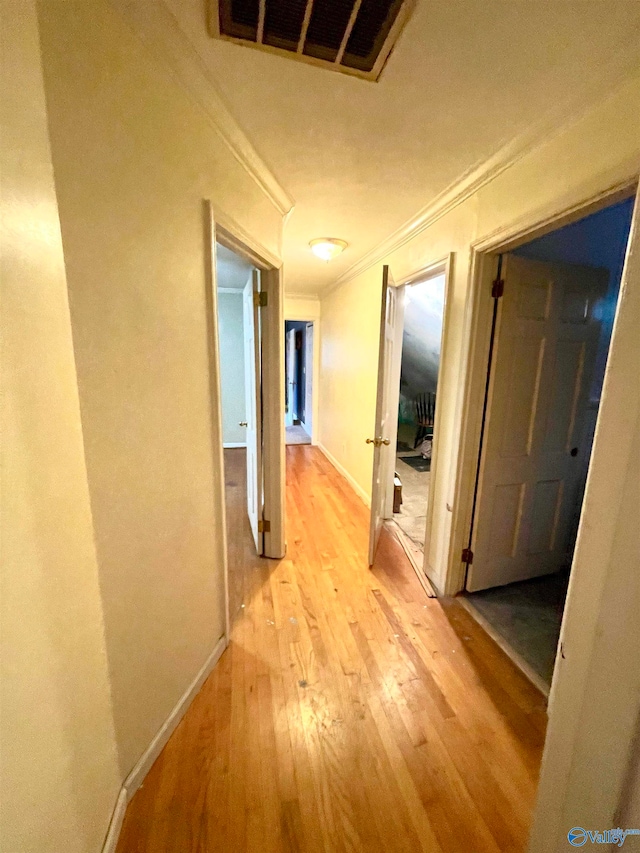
[(253, 406), (308, 379), (290, 356), (383, 451), (534, 447)]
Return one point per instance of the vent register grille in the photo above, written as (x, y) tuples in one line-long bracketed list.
[(353, 37)]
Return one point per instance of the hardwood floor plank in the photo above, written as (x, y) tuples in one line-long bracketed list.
[(350, 713)]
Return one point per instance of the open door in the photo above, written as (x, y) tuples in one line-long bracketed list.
[(534, 450), (291, 377), (308, 379), (383, 453), (252, 366)]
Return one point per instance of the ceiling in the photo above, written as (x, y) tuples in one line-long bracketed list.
[(232, 271), (466, 78)]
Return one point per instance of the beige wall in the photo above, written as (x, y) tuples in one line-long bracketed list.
[(301, 307), (629, 814), (134, 156), (59, 772), (595, 152)]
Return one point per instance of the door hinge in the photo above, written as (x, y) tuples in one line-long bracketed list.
[(497, 288), (264, 527), (467, 556), (260, 299)]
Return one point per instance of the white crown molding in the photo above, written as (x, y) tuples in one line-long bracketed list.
[(159, 30), (306, 297), (236, 290), (536, 136)]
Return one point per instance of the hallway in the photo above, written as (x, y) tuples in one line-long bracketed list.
[(350, 712)]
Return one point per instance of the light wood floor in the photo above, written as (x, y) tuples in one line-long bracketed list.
[(350, 712)]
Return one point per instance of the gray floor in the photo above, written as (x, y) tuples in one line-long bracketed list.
[(527, 615), (296, 435), (412, 517)]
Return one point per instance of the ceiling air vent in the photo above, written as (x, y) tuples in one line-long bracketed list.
[(353, 37)]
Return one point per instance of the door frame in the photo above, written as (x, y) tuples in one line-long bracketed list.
[(219, 227), (308, 395), (310, 316), (289, 356), (477, 341), (444, 266), (597, 640)]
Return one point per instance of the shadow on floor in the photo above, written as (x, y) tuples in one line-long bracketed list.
[(528, 616)]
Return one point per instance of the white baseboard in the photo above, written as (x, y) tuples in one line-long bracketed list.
[(416, 559), (148, 757), (113, 833), (136, 777), (357, 488), (230, 444)]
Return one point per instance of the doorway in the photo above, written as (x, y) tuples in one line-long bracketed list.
[(299, 348), (413, 334), (422, 323), (239, 337), (235, 259), (554, 304)]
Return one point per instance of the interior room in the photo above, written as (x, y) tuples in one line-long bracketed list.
[(298, 416), (420, 364), (233, 275), (526, 616), (240, 339)]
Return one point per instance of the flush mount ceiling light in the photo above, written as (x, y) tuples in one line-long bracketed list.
[(327, 248)]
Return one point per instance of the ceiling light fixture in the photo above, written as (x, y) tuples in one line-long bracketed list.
[(327, 248)]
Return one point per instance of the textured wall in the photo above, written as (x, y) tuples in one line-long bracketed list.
[(134, 156)]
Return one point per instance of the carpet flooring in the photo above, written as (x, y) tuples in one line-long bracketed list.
[(296, 435), (528, 616), (412, 517)]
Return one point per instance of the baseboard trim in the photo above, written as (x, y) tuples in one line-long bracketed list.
[(136, 777), (148, 757), (410, 548), (357, 488), (228, 445), (115, 825)]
